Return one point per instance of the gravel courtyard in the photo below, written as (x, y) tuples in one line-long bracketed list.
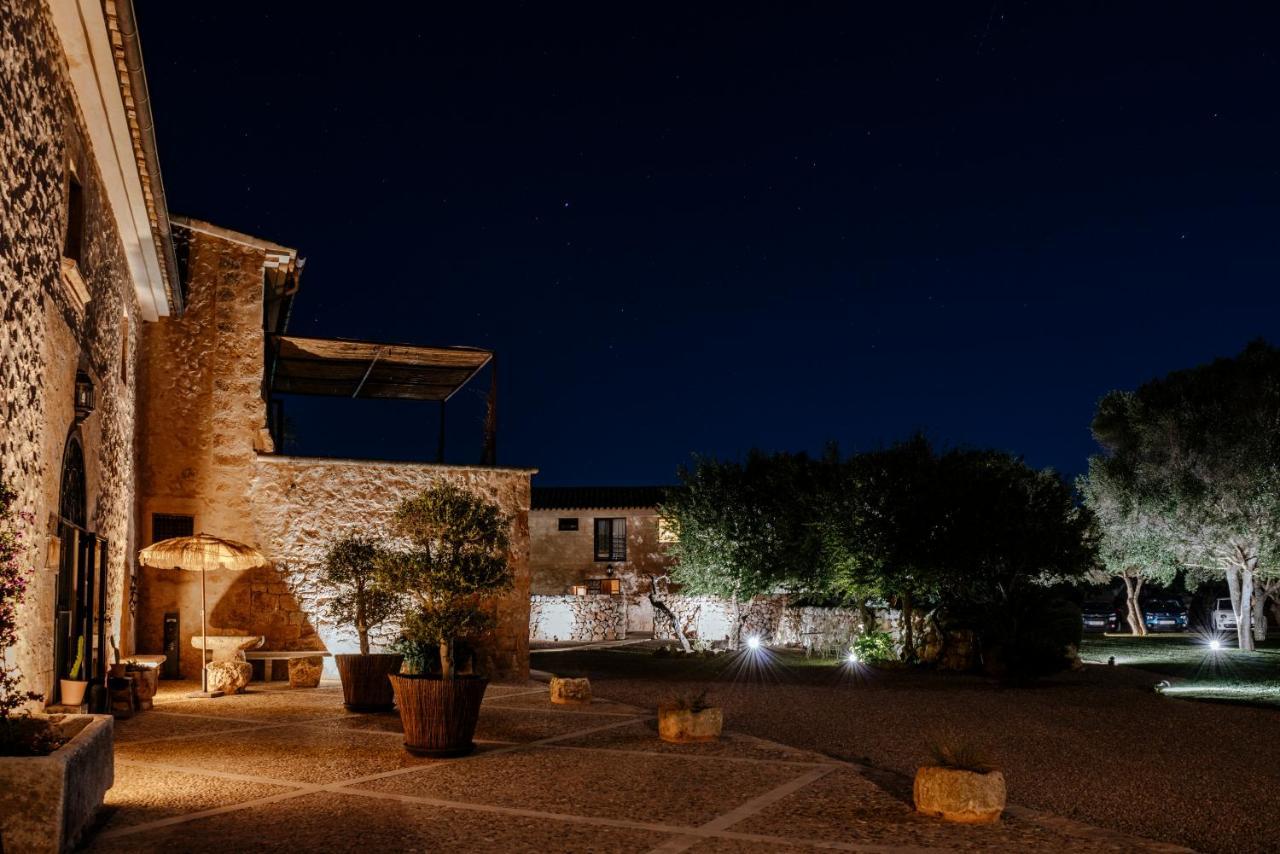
[(288, 770), (1098, 746)]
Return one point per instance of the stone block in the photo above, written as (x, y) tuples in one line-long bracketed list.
[(229, 677), (306, 672), (570, 692), (965, 797), (47, 802)]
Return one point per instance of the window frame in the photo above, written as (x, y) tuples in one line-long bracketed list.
[(611, 524), (567, 523)]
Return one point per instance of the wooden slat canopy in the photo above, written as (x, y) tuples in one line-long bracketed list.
[(338, 367)]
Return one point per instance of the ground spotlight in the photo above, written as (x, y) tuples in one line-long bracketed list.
[(852, 658), (1215, 644), (753, 642)]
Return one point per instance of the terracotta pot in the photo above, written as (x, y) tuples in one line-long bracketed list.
[(439, 715), (967, 797), (682, 726), (117, 671), (365, 686), (71, 691)]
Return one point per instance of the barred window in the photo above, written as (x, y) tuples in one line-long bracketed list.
[(611, 539)]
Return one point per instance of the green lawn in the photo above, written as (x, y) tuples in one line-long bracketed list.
[(1195, 670)]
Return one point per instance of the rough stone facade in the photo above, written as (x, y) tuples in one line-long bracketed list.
[(204, 436), (577, 618), (47, 335)]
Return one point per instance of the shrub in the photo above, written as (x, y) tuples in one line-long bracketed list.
[(872, 646), (350, 573), (20, 735), (1029, 635), (688, 701), (952, 751), (456, 560)]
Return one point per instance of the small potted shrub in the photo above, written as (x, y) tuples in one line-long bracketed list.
[(350, 575), (71, 690), (961, 785), (688, 718), (456, 561)]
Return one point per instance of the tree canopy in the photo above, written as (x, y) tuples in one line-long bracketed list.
[(350, 573), (1192, 461), (456, 559)]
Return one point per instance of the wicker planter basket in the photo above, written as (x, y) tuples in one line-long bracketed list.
[(365, 686), (439, 715)]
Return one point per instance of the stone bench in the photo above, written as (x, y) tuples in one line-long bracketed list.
[(302, 673)]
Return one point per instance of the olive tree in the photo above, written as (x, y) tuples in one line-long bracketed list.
[(743, 529), (1200, 452), (457, 558), (350, 573), (1133, 545)]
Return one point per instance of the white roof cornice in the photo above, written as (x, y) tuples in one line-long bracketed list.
[(82, 28)]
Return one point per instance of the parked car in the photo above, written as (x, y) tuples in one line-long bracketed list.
[(1223, 617), (1099, 616), (1165, 614)]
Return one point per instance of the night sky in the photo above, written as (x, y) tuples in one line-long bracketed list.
[(709, 229)]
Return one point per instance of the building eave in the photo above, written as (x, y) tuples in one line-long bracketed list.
[(86, 39)]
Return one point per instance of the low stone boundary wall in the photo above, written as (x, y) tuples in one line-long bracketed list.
[(577, 618), (769, 618)]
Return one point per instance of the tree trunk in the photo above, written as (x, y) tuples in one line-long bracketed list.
[(362, 629), (658, 605), (446, 659), (1259, 611), (735, 637), (1240, 588), (908, 640), (1137, 620)]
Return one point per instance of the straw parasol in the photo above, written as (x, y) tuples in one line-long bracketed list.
[(202, 553)]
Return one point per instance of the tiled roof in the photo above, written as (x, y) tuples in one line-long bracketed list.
[(593, 497)]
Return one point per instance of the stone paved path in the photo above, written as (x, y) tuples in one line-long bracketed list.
[(289, 770)]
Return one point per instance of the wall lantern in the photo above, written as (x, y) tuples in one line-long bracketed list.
[(84, 396)]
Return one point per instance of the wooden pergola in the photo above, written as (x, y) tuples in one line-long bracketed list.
[(338, 367)]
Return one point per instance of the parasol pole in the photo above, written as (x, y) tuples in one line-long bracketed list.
[(204, 640)]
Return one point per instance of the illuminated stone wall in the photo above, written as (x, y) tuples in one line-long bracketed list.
[(204, 423), (598, 617), (46, 335)]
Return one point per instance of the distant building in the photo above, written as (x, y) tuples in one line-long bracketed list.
[(141, 369), (593, 540)]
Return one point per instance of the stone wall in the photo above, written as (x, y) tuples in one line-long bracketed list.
[(577, 618), (46, 333), (300, 503), (769, 618)]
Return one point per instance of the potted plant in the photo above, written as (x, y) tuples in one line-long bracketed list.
[(118, 668), (54, 769), (961, 786), (456, 561), (72, 689), (688, 718), (350, 575)]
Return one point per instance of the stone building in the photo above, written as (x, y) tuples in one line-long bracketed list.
[(593, 551), (141, 369)]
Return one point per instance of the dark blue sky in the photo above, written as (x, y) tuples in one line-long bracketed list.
[(705, 229)]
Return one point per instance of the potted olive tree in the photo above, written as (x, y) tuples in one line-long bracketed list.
[(349, 573), (457, 559)]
